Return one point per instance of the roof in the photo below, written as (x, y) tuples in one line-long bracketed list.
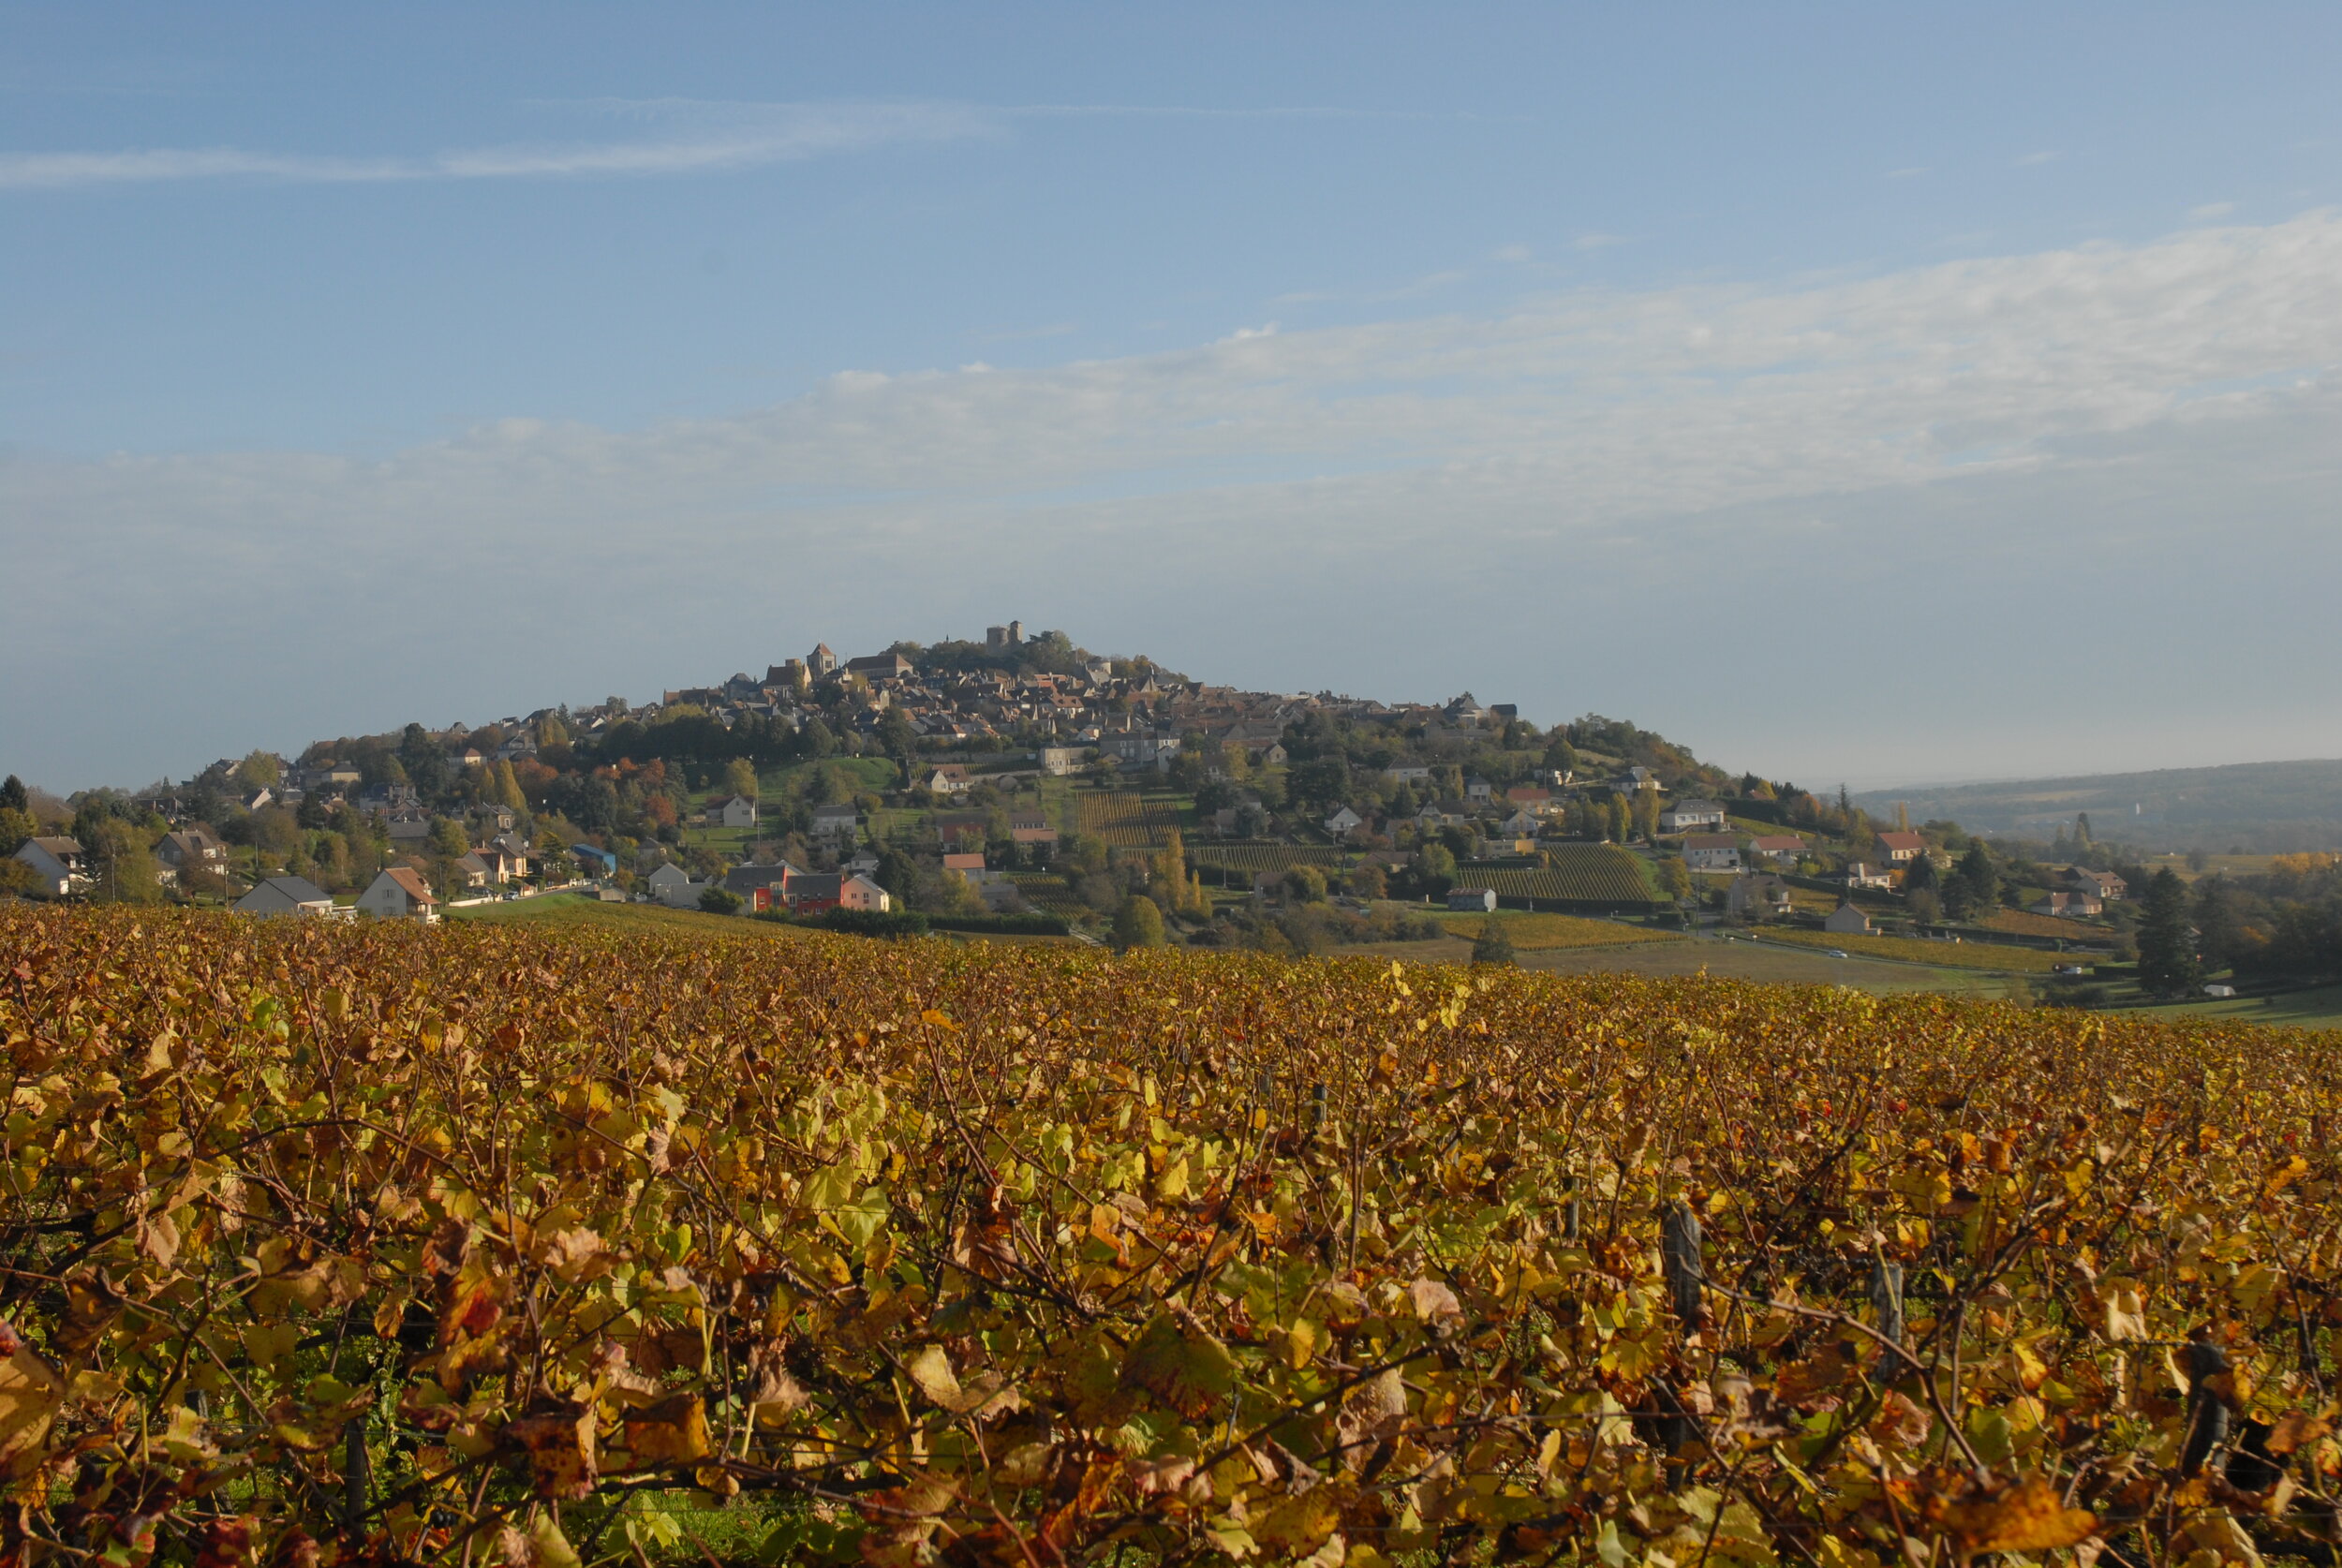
[(60, 847), (416, 888), (1682, 806), (1777, 841), (834, 812), (963, 863), (297, 890), (1909, 842), (748, 878), (817, 884), (1710, 841)]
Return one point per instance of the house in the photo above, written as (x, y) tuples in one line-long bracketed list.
[(1059, 760), (502, 860), (400, 893), (1479, 900), (2072, 906), (759, 887), (1530, 797), (473, 869), (1140, 748), (1444, 813), (192, 850), (673, 886), (818, 893), (821, 663), (61, 864), (258, 798), (493, 819), (286, 895), (1480, 791), (1522, 823), (1712, 851), (1848, 921), (1030, 827), (880, 667), (1757, 897), (835, 822), (1781, 848), (966, 864), (863, 863), (596, 860), (2109, 888), (1901, 848), (1408, 772), (1691, 816), (1343, 820), (1863, 874), (950, 779), (2219, 990), (409, 826), (732, 811)]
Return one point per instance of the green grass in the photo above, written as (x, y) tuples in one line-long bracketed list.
[(1539, 932), (2320, 1008), (1910, 949)]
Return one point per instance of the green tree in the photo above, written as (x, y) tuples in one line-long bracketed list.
[(1493, 946), (2167, 949), (1621, 820), (16, 825), (448, 839), (1305, 884), (1137, 923), (2219, 928), (715, 900), (1675, 877), (124, 863), (816, 741), (507, 790), (1645, 814), (259, 770), (14, 796), (740, 777), (1973, 890)]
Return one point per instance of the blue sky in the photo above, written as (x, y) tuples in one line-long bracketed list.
[(1849, 392)]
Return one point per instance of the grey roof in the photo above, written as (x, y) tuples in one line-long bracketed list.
[(293, 890)]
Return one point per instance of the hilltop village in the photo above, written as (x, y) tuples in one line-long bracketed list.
[(1021, 785)]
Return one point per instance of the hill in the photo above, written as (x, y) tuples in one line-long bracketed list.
[(2253, 807)]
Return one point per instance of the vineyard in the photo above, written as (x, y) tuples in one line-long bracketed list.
[(1912, 950), (1581, 873), (1124, 820), (1251, 858), (1048, 893), (484, 1245), (2021, 922)]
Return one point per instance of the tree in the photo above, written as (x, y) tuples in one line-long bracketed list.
[(259, 770), (2081, 829), (1493, 947), (716, 900), (815, 741), (1305, 884), (1920, 875), (1621, 820), (424, 760), (1973, 890), (1137, 923), (1645, 814), (2167, 949), (14, 796), (1675, 877), (740, 777), (2220, 929), (16, 825), (507, 790), (447, 838)]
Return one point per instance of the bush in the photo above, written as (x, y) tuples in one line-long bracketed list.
[(715, 900)]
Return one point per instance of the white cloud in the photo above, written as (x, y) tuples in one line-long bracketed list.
[(1560, 476), (699, 142), (1509, 252)]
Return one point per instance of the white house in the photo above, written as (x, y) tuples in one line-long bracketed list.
[(1782, 849), (286, 895), (61, 864), (400, 893), (192, 850), (1343, 820), (1522, 823), (673, 886), (1848, 921), (835, 822), (1480, 901), (1691, 816), (733, 811), (1712, 851)]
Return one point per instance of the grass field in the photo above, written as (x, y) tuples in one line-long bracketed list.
[(1910, 949), (2017, 922), (1539, 932), (2317, 1009)]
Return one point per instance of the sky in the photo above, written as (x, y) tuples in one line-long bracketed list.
[(1884, 394)]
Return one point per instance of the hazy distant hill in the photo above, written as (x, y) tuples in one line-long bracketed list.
[(2257, 807)]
